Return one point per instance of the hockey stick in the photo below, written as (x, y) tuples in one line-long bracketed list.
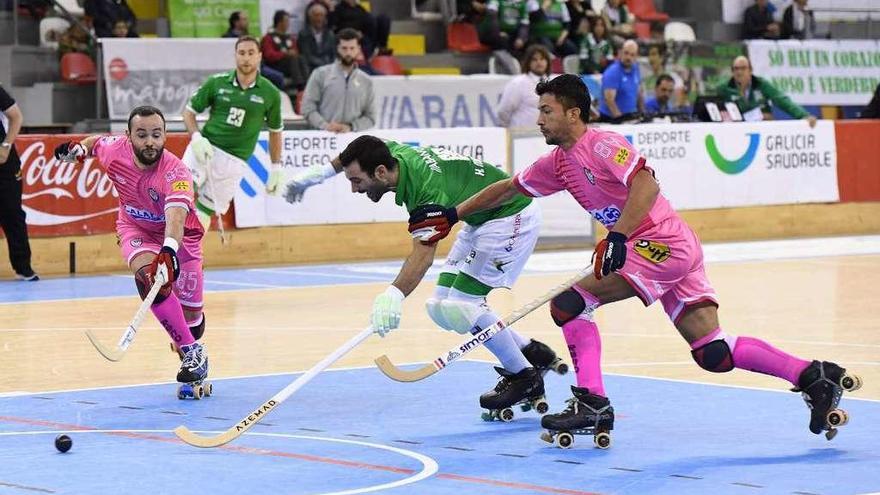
[(476, 339), (220, 228), (127, 338), (265, 408)]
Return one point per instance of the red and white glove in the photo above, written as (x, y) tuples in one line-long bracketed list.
[(610, 254), (167, 260), (70, 151)]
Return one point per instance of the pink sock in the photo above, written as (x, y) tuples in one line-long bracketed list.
[(585, 347), (756, 355), (170, 315)]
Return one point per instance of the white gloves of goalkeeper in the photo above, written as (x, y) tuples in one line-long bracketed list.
[(303, 180), (202, 148)]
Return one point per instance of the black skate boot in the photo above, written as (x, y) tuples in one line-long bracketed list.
[(822, 385), (525, 387), (194, 373), (542, 357), (586, 414)]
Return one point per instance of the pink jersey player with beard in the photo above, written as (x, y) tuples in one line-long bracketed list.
[(598, 171), (144, 196)]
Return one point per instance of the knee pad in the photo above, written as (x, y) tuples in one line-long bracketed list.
[(435, 311), (198, 330), (461, 315), (567, 306), (714, 356), (142, 281)]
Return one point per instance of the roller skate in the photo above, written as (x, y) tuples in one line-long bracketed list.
[(525, 389), (586, 414), (193, 373), (822, 384), (542, 357)]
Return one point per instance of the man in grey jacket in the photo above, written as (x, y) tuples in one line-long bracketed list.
[(339, 96)]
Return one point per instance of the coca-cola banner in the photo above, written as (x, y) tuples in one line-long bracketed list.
[(163, 72), (69, 198)]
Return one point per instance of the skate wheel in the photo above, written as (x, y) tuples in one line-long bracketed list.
[(525, 407), (197, 392), (541, 407), (851, 383), (180, 393), (208, 389), (506, 415), (837, 417), (561, 369), (547, 437), (487, 416), (564, 440), (830, 434), (602, 440)]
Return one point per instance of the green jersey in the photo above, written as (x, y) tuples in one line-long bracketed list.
[(237, 114), (440, 176)]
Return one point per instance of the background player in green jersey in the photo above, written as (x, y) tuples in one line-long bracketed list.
[(240, 101), (489, 252)]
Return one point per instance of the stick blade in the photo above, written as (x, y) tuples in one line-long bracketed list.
[(109, 354), (187, 436), (391, 371)]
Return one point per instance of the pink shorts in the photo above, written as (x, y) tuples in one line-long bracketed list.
[(666, 263), (190, 283)]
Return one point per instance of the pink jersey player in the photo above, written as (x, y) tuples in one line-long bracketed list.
[(157, 226), (649, 253)]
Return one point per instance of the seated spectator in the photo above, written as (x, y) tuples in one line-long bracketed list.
[(579, 9), (657, 68), (105, 13), (662, 101), (754, 95), (280, 53), (505, 25), (594, 49), (121, 29), (758, 22), (374, 28), (798, 21), (238, 25), (551, 28), (620, 22), (622, 93), (76, 40), (472, 11), (872, 111), (519, 102), (317, 44), (339, 96)]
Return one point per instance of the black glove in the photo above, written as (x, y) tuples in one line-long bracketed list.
[(431, 223), (610, 254), (70, 151), (167, 257)]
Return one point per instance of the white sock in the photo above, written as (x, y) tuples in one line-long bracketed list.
[(503, 344)]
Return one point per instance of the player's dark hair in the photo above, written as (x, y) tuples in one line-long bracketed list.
[(145, 111), (370, 152), (348, 34), (570, 91), (279, 16), (245, 39), (233, 18), (663, 77)]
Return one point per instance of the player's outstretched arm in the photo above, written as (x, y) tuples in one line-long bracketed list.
[(387, 305), (312, 176), (201, 147), (72, 151)]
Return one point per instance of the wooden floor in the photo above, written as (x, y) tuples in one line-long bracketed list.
[(817, 308)]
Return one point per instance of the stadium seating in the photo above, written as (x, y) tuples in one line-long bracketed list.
[(642, 30), (78, 68), (571, 64), (644, 10), (48, 24), (387, 65), (679, 31), (462, 37)]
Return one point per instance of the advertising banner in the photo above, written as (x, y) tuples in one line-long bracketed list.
[(208, 18)]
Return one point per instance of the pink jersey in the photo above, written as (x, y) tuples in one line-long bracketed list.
[(144, 195), (597, 171)]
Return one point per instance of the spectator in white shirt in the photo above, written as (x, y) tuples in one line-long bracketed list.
[(519, 102)]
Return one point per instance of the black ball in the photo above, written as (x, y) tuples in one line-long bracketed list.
[(63, 443)]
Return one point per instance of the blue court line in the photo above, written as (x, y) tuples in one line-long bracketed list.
[(670, 437)]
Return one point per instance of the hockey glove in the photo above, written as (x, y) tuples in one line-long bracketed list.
[(202, 149), (386, 310), (312, 176), (276, 176), (167, 257), (610, 254), (71, 151), (431, 223)]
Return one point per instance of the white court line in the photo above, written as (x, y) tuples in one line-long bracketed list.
[(318, 274), (245, 284), (429, 465), (788, 341)]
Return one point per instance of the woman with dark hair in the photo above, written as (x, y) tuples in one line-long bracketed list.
[(519, 102), (594, 48)]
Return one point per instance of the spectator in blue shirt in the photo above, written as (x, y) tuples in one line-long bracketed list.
[(622, 85), (661, 101)]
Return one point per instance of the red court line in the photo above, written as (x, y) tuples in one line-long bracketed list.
[(304, 457)]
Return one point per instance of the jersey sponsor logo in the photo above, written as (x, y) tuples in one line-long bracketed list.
[(606, 216), (153, 194), (621, 156), (136, 242), (590, 176), (144, 215), (257, 99), (181, 185), (656, 252), (737, 165)]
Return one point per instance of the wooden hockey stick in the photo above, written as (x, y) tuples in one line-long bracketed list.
[(476, 339), (128, 335), (265, 408)]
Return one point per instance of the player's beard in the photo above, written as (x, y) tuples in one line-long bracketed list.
[(147, 156)]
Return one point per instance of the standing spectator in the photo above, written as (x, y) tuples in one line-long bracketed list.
[(374, 29), (12, 216), (622, 92), (594, 49), (317, 43), (620, 22), (758, 22), (551, 28), (339, 96), (755, 95), (519, 102), (798, 21), (105, 13), (280, 53), (238, 25), (872, 111)]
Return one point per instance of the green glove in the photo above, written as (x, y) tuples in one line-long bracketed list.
[(386, 310)]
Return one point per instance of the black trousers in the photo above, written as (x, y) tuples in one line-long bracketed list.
[(12, 219)]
